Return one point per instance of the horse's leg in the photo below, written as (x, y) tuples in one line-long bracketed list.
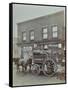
[(30, 63), (22, 68), (30, 68), (25, 67), (17, 67)]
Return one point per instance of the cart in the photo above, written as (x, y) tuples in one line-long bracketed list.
[(43, 62)]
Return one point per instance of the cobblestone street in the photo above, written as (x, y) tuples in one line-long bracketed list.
[(21, 78)]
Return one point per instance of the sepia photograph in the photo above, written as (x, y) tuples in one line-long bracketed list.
[(37, 44)]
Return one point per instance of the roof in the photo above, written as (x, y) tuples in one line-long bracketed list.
[(40, 17)]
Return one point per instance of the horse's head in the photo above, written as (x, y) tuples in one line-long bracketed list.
[(16, 60)]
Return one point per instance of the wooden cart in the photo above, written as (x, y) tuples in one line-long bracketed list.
[(42, 62)]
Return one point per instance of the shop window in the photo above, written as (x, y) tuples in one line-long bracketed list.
[(45, 47)]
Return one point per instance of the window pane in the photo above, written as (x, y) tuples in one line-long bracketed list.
[(54, 28), (59, 45), (45, 46), (24, 36), (32, 35), (35, 45), (32, 38), (45, 30), (30, 47), (44, 36), (54, 34)]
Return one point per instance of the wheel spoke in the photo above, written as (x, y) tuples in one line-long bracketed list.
[(35, 69), (50, 68)]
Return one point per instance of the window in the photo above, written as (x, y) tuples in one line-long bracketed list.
[(54, 29), (45, 33), (35, 45), (24, 35), (59, 45), (32, 35), (64, 47), (30, 48), (45, 46)]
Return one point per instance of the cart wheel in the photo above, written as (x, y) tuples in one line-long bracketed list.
[(35, 68), (50, 67)]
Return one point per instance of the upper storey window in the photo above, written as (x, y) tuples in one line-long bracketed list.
[(24, 36), (32, 35), (55, 31), (45, 33)]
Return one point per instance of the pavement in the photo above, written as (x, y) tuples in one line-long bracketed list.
[(22, 78)]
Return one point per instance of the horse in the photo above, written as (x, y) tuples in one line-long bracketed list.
[(17, 63), (28, 63), (20, 62)]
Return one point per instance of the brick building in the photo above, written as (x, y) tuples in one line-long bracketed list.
[(47, 32)]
